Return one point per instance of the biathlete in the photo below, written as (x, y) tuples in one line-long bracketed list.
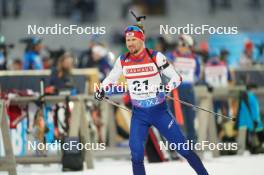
[(142, 69)]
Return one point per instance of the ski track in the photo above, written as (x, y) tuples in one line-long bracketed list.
[(228, 165)]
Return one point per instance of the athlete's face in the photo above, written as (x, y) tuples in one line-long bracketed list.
[(183, 48), (134, 45)]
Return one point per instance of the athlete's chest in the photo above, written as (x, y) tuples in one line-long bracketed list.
[(140, 70), (141, 67)]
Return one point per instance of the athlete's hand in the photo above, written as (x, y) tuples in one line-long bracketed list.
[(99, 94)]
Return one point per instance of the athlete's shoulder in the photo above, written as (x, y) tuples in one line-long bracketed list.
[(161, 59), (160, 54), (152, 52), (123, 56), (118, 63)]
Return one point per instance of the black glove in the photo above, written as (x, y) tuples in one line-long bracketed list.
[(99, 94), (210, 88)]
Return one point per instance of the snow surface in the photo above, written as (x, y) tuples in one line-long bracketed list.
[(228, 165)]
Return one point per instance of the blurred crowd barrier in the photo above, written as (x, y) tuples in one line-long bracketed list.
[(101, 122)]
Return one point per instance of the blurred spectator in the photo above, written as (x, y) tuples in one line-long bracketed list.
[(2, 53), (17, 65), (47, 63), (61, 76), (249, 118), (246, 59), (224, 56), (161, 45), (217, 74), (97, 56), (16, 5), (188, 65), (4, 48), (260, 49), (32, 59), (52, 59), (85, 59), (100, 57), (203, 51)]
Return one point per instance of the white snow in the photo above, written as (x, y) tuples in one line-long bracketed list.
[(227, 165)]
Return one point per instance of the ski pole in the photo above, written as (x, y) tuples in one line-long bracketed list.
[(107, 99), (182, 102), (200, 108)]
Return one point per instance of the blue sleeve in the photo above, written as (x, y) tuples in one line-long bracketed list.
[(104, 66), (229, 75), (53, 77), (255, 110), (198, 68), (27, 61), (170, 57), (37, 62), (108, 65)]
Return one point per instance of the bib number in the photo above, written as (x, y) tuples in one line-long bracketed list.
[(139, 86)]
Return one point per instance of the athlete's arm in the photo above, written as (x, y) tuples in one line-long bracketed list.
[(114, 74), (168, 70)]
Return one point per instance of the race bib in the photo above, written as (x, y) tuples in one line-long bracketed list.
[(142, 80), (186, 68), (216, 76), (142, 89)]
